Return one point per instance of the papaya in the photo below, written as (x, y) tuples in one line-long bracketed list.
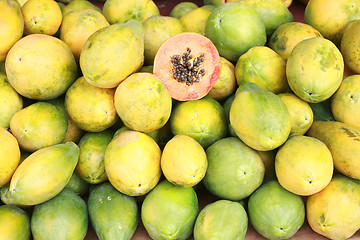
[(300, 111), (154, 134), (286, 36), (202, 119), (91, 167), (349, 40), (226, 84), (73, 132), (14, 223), (43, 174), (268, 158), (132, 163), (63, 217), (343, 142), (79, 5), (77, 26), (304, 165), (234, 171), (274, 13), (274, 212), (329, 17), (227, 105), (182, 8), (112, 53), (263, 66), (9, 155), (345, 103), (314, 69), (169, 211), (233, 40), (259, 117), (213, 2), (12, 25), (113, 215), (41, 17), (188, 64), (334, 212), (183, 161), (40, 74), (39, 125), (119, 11), (221, 219), (158, 29), (143, 102), (78, 185), (91, 108), (195, 20)]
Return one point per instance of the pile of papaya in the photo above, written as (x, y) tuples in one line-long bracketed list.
[(114, 117)]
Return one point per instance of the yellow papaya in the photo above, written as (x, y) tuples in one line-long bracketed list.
[(343, 142)]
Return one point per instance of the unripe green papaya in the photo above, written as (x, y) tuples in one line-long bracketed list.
[(63, 217), (113, 214), (43, 174)]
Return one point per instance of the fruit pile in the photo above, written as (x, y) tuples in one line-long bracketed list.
[(116, 117)]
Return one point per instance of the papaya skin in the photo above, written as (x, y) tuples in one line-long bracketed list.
[(38, 179), (343, 142), (14, 223)]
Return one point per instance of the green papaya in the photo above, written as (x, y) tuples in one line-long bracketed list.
[(113, 214), (78, 185), (259, 117), (274, 212), (43, 174), (63, 217), (222, 219), (169, 211), (14, 223)]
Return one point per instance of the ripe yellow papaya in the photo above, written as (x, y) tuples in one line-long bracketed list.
[(343, 142)]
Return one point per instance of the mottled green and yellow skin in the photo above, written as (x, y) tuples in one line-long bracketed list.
[(158, 29), (113, 215), (259, 117), (14, 223), (286, 36), (118, 11), (195, 20), (43, 174), (182, 8), (345, 103), (203, 119), (132, 163), (79, 5), (78, 26), (112, 53), (329, 17), (143, 102), (91, 165), (169, 211), (342, 221), (63, 217), (91, 108), (303, 165), (349, 46), (343, 142), (10, 101), (233, 224), (39, 125), (12, 25), (40, 67), (315, 69), (263, 66)]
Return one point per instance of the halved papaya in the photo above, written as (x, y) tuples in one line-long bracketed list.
[(188, 64)]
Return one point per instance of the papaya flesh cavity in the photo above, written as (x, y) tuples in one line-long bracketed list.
[(188, 64)]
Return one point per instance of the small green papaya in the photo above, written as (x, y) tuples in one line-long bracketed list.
[(113, 214), (63, 217), (14, 223)]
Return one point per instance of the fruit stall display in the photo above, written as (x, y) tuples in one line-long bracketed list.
[(164, 119)]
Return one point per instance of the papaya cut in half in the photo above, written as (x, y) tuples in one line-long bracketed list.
[(188, 64)]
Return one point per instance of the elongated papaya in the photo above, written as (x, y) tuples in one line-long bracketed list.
[(43, 174), (343, 142)]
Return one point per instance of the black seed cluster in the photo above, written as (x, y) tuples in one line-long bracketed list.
[(186, 70)]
